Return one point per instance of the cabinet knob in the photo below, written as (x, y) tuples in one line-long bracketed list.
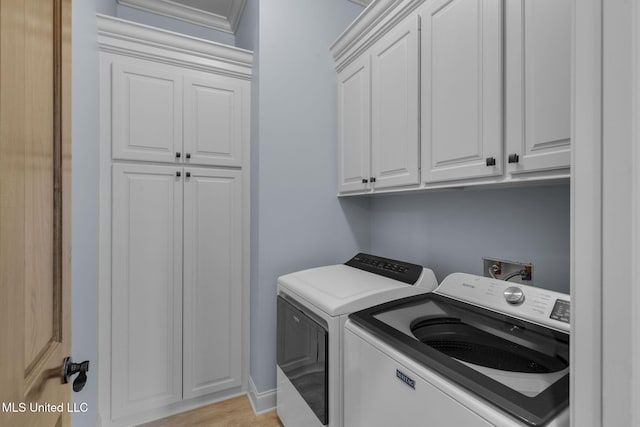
[(491, 161), (188, 155), (372, 179), (178, 154), (514, 158), (365, 180), (188, 174), (178, 173)]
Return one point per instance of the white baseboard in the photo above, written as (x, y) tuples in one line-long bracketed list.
[(261, 402)]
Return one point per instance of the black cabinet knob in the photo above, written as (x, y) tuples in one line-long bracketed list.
[(514, 158), (188, 155), (491, 161), (188, 174), (178, 173), (365, 180), (372, 179), (178, 154)]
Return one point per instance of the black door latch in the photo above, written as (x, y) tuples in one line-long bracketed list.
[(69, 369)]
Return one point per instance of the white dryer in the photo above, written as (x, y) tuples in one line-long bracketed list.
[(476, 352), (313, 306)]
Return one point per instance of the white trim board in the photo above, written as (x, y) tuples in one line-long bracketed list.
[(123, 37), (203, 18), (261, 402), (586, 216)]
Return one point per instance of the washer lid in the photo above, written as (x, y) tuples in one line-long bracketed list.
[(520, 367), (340, 289)]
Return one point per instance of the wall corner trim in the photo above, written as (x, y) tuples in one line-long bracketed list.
[(261, 402)]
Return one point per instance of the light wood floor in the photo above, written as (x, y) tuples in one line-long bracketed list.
[(236, 412)]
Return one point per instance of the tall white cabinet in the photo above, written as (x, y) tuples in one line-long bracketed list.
[(174, 160)]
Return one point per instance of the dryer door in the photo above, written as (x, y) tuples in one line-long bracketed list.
[(303, 355)]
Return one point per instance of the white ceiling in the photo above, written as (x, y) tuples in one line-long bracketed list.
[(221, 15)]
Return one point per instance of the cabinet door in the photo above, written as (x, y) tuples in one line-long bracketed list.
[(147, 111), (212, 281), (354, 126), (146, 311), (394, 106), (538, 84), (462, 89), (213, 121)]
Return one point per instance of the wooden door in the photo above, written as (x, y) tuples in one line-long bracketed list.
[(35, 39), (354, 126), (146, 294), (213, 113), (395, 96), (212, 281), (462, 89), (538, 84)]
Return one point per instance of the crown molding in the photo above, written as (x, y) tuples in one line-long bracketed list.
[(364, 3), (123, 37), (172, 9), (378, 18)]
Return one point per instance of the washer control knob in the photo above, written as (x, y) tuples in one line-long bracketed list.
[(514, 295)]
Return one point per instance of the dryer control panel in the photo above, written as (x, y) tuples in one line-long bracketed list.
[(393, 269)]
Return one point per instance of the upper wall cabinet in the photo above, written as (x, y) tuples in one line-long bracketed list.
[(354, 126), (461, 89), (492, 80), (378, 101), (394, 106), (538, 84)]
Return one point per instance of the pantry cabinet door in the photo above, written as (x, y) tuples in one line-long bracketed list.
[(394, 106), (212, 281), (213, 120), (146, 312), (354, 126), (146, 111), (461, 89), (538, 84)]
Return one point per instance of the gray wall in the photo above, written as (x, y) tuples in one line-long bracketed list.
[(299, 221), (84, 204), (451, 231)]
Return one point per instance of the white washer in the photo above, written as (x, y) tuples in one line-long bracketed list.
[(313, 306), (476, 352)]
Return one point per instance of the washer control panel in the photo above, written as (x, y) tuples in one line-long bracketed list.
[(537, 305), (561, 311)]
